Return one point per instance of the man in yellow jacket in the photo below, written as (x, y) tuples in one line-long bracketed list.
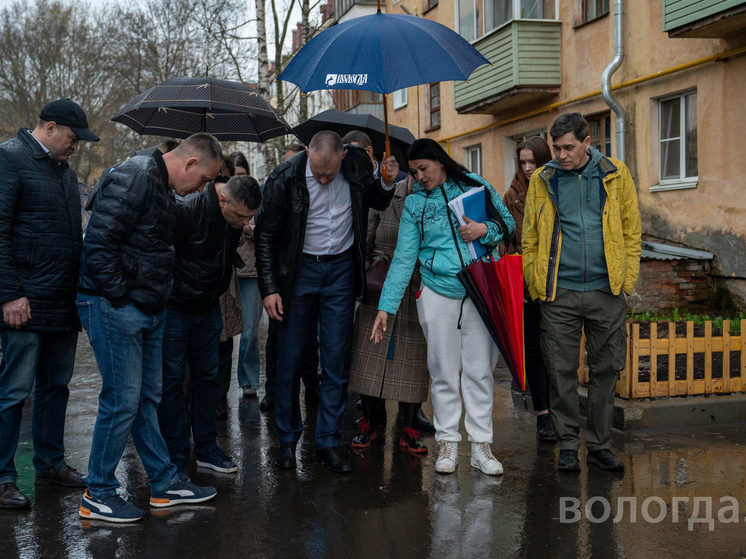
[(581, 259)]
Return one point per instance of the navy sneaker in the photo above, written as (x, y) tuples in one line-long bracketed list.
[(217, 461), (112, 509), (182, 492)]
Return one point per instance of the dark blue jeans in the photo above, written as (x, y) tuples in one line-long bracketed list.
[(127, 344), (309, 367), (193, 339), (43, 361), (324, 297)]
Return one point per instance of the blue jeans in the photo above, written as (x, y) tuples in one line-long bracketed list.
[(44, 361), (309, 362), (193, 339), (325, 296), (127, 344), (248, 349)]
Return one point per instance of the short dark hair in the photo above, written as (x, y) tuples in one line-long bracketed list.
[(425, 148), (228, 166), (205, 144), (569, 122), (239, 160), (297, 148), (326, 141), (244, 189), (357, 137)]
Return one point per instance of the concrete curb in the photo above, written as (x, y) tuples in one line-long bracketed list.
[(630, 415)]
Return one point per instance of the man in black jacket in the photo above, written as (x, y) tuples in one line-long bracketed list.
[(125, 282), (208, 230), (310, 251), (40, 243)]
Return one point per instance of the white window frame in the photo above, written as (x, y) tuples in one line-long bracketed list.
[(400, 98), (473, 150), (682, 181), (480, 21)]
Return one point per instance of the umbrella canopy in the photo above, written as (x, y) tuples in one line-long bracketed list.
[(496, 289), (342, 122), (180, 107), (382, 53)]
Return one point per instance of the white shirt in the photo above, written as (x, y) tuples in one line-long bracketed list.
[(329, 223)]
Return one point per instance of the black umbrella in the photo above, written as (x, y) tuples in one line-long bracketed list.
[(341, 122), (180, 107)]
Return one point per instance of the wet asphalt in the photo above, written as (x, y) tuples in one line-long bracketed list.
[(394, 505)]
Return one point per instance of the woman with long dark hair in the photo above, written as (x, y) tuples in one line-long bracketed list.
[(530, 156), (460, 353)]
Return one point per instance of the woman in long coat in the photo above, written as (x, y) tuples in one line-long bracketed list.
[(395, 369)]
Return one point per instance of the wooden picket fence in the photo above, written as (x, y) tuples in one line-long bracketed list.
[(657, 356)]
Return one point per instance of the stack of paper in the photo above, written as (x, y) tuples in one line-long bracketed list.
[(472, 205)]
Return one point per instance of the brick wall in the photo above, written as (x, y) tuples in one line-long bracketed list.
[(667, 284)]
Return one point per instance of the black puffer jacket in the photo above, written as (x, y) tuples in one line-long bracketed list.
[(40, 234), (205, 253), (128, 254), (281, 224)]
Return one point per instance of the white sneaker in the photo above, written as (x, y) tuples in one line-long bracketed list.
[(447, 457), (482, 459)]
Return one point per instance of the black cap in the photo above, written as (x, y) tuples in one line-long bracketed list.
[(68, 113)]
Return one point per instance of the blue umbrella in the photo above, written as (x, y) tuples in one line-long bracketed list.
[(382, 53)]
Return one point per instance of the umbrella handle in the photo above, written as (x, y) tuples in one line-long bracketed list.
[(384, 172)]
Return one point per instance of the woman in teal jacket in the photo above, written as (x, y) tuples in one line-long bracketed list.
[(460, 353)]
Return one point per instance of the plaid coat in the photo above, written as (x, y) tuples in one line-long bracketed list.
[(405, 376)]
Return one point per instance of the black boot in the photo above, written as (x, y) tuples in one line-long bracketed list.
[(544, 430)]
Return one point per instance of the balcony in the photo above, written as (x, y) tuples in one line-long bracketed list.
[(525, 57), (704, 18)]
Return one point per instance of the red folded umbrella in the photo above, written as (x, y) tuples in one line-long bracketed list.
[(496, 289)]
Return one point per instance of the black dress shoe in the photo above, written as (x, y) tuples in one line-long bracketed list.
[(285, 457), (605, 460), (568, 461), (422, 424), (11, 497), (66, 477), (333, 460), (544, 431), (267, 404)]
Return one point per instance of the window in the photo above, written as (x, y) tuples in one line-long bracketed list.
[(434, 106), (473, 158), (400, 98), (599, 127), (347, 99), (478, 17), (592, 9), (678, 138), (428, 4)]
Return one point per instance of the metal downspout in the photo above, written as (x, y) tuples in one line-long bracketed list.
[(606, 78)]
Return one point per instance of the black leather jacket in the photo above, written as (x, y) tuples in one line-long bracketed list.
[(205, 253), (128, 252), (40, 234), (281, 224)]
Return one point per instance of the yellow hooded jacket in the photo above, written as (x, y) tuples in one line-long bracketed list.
[(542, 234)]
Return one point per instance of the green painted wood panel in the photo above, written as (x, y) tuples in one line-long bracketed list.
[(523, 52), (683, 12)]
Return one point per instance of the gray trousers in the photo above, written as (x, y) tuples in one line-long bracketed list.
[(602, 315)]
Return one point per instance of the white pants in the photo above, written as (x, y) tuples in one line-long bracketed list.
[(464, 357)]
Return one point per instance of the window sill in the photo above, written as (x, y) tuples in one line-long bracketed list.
[(400, 107), (580, 24), (675, 185), (426, 9), (432, 129)]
